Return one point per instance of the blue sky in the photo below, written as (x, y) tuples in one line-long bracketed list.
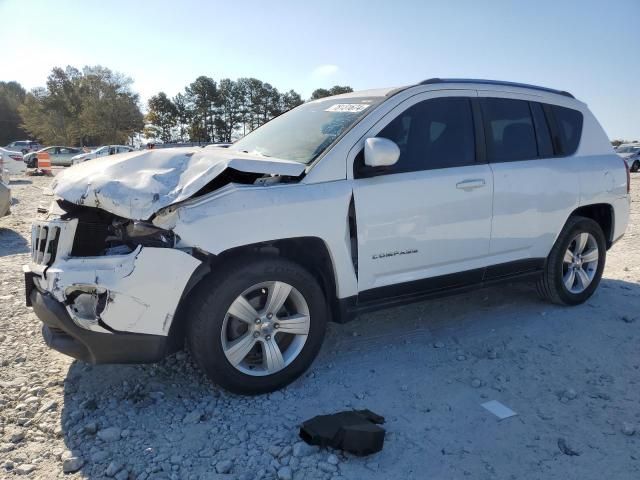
[(590, 48)]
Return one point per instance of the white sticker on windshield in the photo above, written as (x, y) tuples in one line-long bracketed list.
[(347, 107)]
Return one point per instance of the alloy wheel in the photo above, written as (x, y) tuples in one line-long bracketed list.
[(265, 328), (580, 263)]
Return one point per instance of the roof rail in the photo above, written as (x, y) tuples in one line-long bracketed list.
[(432, 81)]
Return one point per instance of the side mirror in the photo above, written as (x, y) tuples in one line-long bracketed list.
[(380, 152)]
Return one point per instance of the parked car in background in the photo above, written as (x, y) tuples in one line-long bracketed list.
[(59, 155), (24, 146), (5, 191), (631, 154), (100, 152), (11, 161), (5, 199), (341, 205)]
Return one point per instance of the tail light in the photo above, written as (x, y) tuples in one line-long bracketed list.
[(17, 158), (626, 167)]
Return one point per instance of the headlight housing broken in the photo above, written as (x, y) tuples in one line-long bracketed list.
[(102, 233)]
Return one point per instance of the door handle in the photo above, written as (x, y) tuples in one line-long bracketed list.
[(470, 184)]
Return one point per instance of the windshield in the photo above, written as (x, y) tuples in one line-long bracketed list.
[(101, 150), (303, 133), (628, 149)]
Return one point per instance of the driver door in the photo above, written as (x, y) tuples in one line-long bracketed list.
[(424, 223)]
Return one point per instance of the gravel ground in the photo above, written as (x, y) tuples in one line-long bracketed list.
[(571, 374)]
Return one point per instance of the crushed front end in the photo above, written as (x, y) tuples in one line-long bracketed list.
[(106, 288)]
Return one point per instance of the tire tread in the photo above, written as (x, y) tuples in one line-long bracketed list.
[(546, 284)]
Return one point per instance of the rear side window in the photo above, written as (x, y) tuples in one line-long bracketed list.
[(569, 125), (433, 134), (509, 131)]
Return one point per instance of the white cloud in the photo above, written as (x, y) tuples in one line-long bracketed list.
[(324, 71)]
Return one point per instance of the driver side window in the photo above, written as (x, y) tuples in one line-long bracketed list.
[(432, 134)]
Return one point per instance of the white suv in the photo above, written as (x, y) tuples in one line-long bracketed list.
[(339, 206)]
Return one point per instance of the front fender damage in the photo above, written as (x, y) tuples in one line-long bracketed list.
[(122, 292)]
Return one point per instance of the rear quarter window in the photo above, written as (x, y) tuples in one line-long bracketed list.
[(569, 125)]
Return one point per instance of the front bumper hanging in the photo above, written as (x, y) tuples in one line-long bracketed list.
[(104, 309), (61, 333)]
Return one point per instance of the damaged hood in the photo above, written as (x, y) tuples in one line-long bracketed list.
[(136, 185)]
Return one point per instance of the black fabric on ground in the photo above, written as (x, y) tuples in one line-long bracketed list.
[(354, 431)]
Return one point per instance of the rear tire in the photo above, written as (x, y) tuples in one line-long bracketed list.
[(243, 354), (574, 267), (635, 166)]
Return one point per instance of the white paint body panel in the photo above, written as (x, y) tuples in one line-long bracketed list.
[(448, 228), (242, 215), (532, 201), (141, 300)]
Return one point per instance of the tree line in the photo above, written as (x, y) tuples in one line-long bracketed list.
[(210, 111), (96, 106), (87, 107)]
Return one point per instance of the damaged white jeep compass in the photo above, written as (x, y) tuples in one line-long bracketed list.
[(339, 206)]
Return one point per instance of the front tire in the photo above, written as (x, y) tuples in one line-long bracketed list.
[(574, 267), (635, 166), (256, 326)]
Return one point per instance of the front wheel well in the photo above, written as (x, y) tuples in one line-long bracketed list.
[(602, 214), (309, 252)]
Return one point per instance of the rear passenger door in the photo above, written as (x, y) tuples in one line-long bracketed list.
[(430, 214), (535, 184)]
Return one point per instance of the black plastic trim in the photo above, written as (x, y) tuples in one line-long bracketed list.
[(555, 131), (63, 335), (436, 287), (435, 81), (407, 290), (538, 128), (510, 269), (353, 234), (478, 127)]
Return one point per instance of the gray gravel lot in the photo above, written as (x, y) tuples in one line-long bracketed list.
[(571, 374)]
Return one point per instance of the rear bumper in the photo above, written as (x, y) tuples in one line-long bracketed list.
[(62, 334), (621, 214)]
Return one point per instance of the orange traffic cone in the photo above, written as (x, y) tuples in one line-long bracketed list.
[(44, 163)]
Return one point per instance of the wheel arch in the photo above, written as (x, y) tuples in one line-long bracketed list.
[(312, 253), (601, 213)]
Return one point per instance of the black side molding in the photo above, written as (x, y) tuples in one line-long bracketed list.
[(435, 287)]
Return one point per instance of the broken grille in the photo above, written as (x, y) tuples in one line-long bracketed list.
[(44, 243)]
